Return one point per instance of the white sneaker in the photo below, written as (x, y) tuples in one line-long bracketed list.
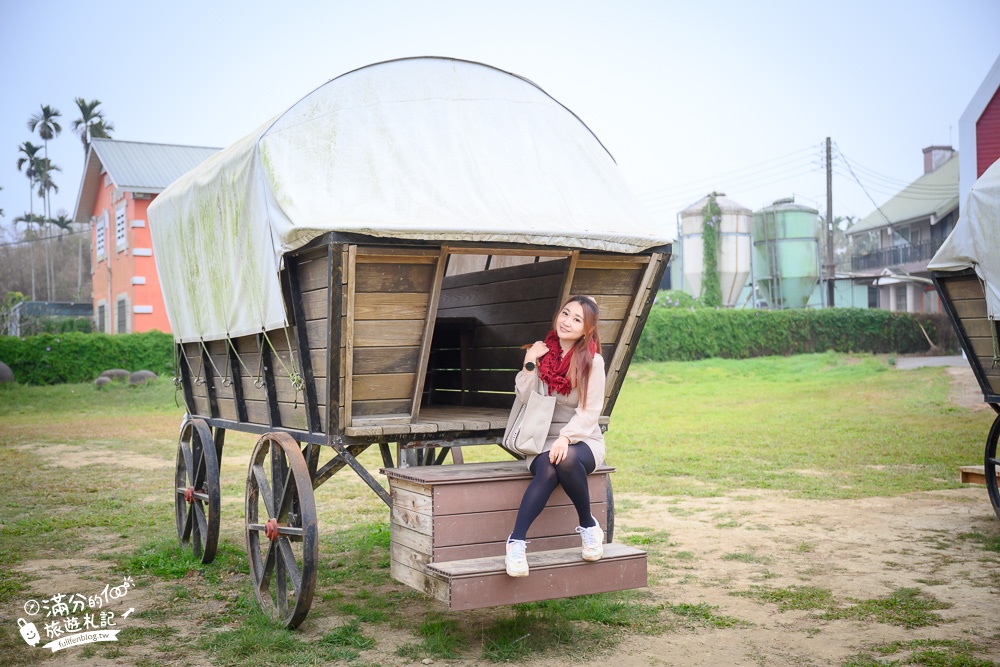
[(516, 560), (593, 541)]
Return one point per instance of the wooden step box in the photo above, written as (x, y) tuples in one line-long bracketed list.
[(461, 515)]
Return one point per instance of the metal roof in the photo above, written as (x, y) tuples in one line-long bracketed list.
[(134, 166), (934, 194)]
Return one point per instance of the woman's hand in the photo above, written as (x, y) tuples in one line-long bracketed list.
[(560, 448), (539, 349)]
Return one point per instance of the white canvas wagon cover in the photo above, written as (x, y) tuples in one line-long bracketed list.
[(423, 148), (975, 241)]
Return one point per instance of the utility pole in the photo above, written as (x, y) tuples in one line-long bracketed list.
[(831, 265)]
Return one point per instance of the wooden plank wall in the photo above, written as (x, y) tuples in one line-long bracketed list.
[(389, 305), (969, 302), (510, 307), (314, 276)]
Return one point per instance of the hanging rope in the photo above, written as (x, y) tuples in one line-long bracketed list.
[(992, 321), (298, 384), (177, 375), (996, 345), (225, 381), (238, 357)]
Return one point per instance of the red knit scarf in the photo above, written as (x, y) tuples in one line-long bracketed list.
[(553, 367)]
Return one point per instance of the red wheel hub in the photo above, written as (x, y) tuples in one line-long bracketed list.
[(271, 529), (189, 494)]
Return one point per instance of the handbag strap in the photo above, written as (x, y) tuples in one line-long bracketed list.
[(540, 386)]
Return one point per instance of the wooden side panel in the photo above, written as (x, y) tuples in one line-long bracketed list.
[(199, 390), (389, 307), (965, 295)]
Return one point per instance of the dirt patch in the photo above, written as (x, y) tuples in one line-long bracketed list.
[(858, 549), (965, 390), (73, 456)]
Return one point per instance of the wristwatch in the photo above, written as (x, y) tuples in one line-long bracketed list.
[(529, 366)]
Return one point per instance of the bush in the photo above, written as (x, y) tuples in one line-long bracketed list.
[(673, 334), (80, 357)]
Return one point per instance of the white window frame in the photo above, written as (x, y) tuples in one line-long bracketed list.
[(121, 228), (101, 237)]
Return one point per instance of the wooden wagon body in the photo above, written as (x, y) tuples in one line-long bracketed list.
[(363, 270), (966, 273), (415, 354)]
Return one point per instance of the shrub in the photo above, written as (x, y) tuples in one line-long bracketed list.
[(80, 357), (673, 334)]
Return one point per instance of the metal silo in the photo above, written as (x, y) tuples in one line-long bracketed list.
[(786, 253), (734, 243)]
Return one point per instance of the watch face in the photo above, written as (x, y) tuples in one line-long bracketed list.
[(530, 366)]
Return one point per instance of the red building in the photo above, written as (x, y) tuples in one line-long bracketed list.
[(979, 131), (119, 180)]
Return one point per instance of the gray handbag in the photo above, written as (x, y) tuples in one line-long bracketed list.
[(528, 424)]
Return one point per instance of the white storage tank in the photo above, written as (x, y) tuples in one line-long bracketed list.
[(734, 247)]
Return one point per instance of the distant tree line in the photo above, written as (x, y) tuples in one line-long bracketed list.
[(19, 273)]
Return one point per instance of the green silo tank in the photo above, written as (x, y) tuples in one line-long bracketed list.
[(785, 253)]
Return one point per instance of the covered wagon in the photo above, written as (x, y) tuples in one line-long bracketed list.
[(966, 272), (361, 270)]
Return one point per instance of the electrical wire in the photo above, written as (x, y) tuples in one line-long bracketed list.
[(43, 238), (700, 183)]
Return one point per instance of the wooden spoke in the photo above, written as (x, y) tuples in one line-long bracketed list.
[(991, 464), (197, 495), (281, 529)]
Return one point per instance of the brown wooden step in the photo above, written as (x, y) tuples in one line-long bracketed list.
[(483, 582)]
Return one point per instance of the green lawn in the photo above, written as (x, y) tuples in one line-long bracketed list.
[(90, 472)]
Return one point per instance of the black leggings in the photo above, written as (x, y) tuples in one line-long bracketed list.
[(571, 473)]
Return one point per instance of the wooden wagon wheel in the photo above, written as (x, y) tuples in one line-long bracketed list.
[(197, 495), (991, 463), (281, 529)]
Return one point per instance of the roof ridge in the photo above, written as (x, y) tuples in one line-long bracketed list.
[(150, 143)]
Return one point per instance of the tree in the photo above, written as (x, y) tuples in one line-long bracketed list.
[(48, 127), (29, 153), (29, 219), (91, 123)]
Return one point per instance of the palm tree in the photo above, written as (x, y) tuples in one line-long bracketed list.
[(30, 153), (48, 127), (101, 130), (46, 184), (91, 122)]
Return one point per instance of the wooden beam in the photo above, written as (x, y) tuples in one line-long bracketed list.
[(351, 274), (334, 322), (302, 343), (428, 334), (651, 282), (567, 285), (273, 413)]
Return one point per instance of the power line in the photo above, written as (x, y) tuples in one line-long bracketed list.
[(708, 180), (863, 187), (43, 238)]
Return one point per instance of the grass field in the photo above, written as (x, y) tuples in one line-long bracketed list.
[(88, 477)]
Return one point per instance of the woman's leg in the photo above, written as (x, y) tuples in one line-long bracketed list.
[(572, 474), (536, 495)]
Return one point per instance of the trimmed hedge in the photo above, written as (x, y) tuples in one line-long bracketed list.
[(80, 357), (673, 334)]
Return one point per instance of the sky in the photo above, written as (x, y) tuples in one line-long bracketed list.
[(689, 97)]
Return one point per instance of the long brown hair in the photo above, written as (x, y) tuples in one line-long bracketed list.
[(582, 360)]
